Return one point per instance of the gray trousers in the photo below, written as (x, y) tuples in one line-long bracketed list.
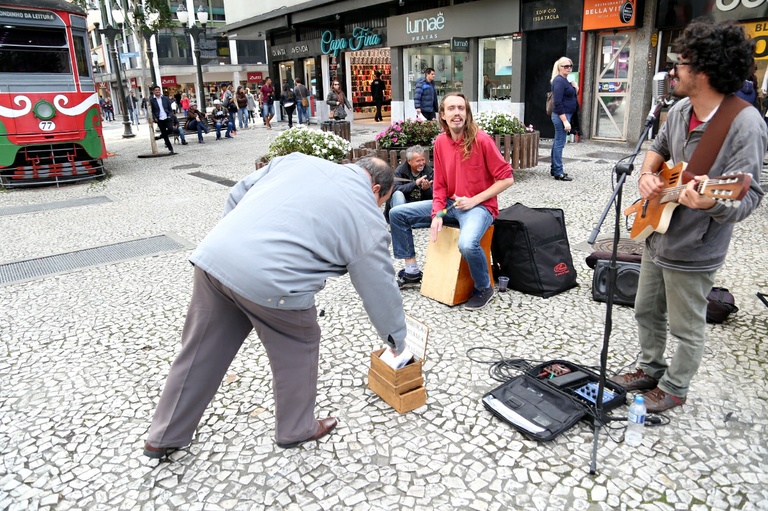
[(680, 298), (217, 323)]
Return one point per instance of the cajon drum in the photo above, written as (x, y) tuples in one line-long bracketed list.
[(446, 274)]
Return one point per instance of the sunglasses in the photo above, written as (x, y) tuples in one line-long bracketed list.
[(674, 66), (567, 66)]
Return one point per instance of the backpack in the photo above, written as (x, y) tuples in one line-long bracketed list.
[(720, 305)]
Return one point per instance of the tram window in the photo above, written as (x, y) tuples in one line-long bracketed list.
[(81, 55), (33, 50)]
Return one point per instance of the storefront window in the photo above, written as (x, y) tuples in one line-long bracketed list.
[(449, 68), (496, 80)]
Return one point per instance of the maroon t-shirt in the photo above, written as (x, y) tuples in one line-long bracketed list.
[(266, 92)]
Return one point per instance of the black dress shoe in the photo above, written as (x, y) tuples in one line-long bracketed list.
[(324, 426), (563, 177), (184, 143), (158, 452)]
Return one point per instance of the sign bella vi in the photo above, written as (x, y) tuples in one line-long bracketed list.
[(361, 37)]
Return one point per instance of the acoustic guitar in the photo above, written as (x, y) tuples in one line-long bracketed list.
[(654, 215)]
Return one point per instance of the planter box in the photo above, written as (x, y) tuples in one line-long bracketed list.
[(520, 150), (396, 155)]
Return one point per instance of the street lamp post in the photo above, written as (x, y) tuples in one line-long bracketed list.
[(111, 33), (147, 33), (195, 32)]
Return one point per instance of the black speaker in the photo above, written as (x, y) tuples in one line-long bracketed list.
[(627, 275)]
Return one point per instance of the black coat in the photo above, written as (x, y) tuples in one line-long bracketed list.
[(166, 103)]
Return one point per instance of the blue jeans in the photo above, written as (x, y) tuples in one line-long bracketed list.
[(134, 115), (680, 299), (242, 116), (473, 224), (268, 109), (556, 167), (200, 127), (230, 126), (398, 199), (302, 112), (179, 133)]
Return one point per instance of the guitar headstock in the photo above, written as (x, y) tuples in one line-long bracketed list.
[(729, 189)]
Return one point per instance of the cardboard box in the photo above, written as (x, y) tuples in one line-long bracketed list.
[(403, 389), (446, 274)]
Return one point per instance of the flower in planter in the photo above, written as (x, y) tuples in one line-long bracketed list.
[(301, 139), (408, 133), (501, 123)]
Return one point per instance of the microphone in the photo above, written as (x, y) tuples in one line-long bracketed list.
[(661, 85), (660, 94)]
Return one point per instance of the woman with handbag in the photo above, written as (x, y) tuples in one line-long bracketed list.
[(564, 96), (338, 102), (288, 100)]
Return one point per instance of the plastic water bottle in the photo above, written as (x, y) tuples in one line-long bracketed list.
[(635, 422)]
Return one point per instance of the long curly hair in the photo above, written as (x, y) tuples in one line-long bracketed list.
[(470, 128), (721, 51)]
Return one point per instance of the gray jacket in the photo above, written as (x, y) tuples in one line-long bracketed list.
[(697, 240), (289, 226)]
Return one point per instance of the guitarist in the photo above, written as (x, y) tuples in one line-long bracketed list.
[(678, 267)]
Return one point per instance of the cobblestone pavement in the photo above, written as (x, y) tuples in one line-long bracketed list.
[(85, 352)]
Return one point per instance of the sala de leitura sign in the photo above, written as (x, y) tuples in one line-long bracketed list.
[(361, 38)]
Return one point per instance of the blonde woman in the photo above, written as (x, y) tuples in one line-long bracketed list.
[(564, 95)]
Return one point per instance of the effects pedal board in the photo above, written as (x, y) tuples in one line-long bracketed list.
[(589, 392)]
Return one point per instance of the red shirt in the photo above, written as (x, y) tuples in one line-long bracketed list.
[(455, 176), (266, 90), (695, 122)]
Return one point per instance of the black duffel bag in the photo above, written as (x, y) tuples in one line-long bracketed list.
[(530, 246)]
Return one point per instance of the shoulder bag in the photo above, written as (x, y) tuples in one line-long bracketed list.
[(550, 103)]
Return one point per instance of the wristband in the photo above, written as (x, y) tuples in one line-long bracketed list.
[(649, 174)]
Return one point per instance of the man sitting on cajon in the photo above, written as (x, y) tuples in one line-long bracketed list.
[(469, 173)]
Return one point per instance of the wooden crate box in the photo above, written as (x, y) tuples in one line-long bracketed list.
[(446, 274)]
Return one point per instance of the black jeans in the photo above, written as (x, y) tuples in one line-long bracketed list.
[(289, 112), (165, 130)]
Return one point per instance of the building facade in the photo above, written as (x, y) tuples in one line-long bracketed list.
[(499, 53), (222, 61)]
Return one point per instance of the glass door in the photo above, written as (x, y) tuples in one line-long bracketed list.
[(614, 74), (286, 78), (310, 81)]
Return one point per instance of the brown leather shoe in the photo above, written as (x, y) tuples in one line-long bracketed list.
[(324, 426), (635, 381), (158, 452), (657, 401)]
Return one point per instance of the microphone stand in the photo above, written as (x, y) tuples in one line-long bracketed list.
[(622, 169)]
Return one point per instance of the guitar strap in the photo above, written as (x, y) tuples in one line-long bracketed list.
[(712, 140)]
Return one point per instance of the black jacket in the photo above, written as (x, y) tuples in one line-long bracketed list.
[(166, 103)]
